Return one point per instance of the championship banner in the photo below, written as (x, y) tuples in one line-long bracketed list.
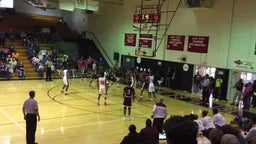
[(198, 44), (175, 42), (145, 40), (130, 39)]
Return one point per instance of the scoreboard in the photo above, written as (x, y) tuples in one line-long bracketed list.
[(146, 15)]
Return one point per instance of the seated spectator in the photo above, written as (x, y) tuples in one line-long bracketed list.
[(40, 70), (149, 134), (198, 121), (11, 35), (2, 38), (229, 129), (16, 55), (229, 139), (3, 69), (21, 70), (252, 132), (133, 137), (181, 130), (6, 51), (207, 122), (218, 119), (23, 35), (215, 136), (201, 139), (14, 63)]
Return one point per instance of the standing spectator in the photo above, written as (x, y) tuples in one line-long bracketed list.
[(31, 113), (206, 88), (238, 93), (133, 137), (81, 67), (102, 86), (149, 134), (159, 114), (65, 81), (90, 61), (217, 88), (168, 77), (49, 65), (247, 95), (218, 119), (197, 82), (181, 130), (128, 94)]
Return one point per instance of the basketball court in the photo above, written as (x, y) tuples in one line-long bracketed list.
[(76, 118)]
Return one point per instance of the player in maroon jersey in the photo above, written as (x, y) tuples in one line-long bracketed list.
[(128, 95)]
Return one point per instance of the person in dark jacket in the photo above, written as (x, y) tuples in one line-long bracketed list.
[(133, 137)]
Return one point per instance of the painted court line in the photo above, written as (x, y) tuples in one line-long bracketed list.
[(12, 120)]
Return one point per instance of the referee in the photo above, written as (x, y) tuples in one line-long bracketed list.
[(30, 111)]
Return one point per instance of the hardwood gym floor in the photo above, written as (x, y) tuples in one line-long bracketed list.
[(76, 118)]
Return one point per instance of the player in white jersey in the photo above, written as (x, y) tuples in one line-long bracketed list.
[(102, 86), (65, 81), (151, 87)]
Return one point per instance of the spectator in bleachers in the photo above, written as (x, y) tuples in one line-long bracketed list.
[(15, 55), (181, 130), (31, 53), (2, 69), (40, 70), (9, 70), (2, 38), (11, 35), (23, 35), (14, 64), (6, 51), (11, 66), (21, 70)]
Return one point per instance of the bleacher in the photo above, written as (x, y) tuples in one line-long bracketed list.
[(18, 22)]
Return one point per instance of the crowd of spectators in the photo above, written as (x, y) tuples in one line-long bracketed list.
[(189, 129)]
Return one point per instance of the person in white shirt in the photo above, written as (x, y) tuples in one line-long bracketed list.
[(198, 121), (159, 113), (218, 119), (207, 121), (65, 81), (151, 87), (102, 86)]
